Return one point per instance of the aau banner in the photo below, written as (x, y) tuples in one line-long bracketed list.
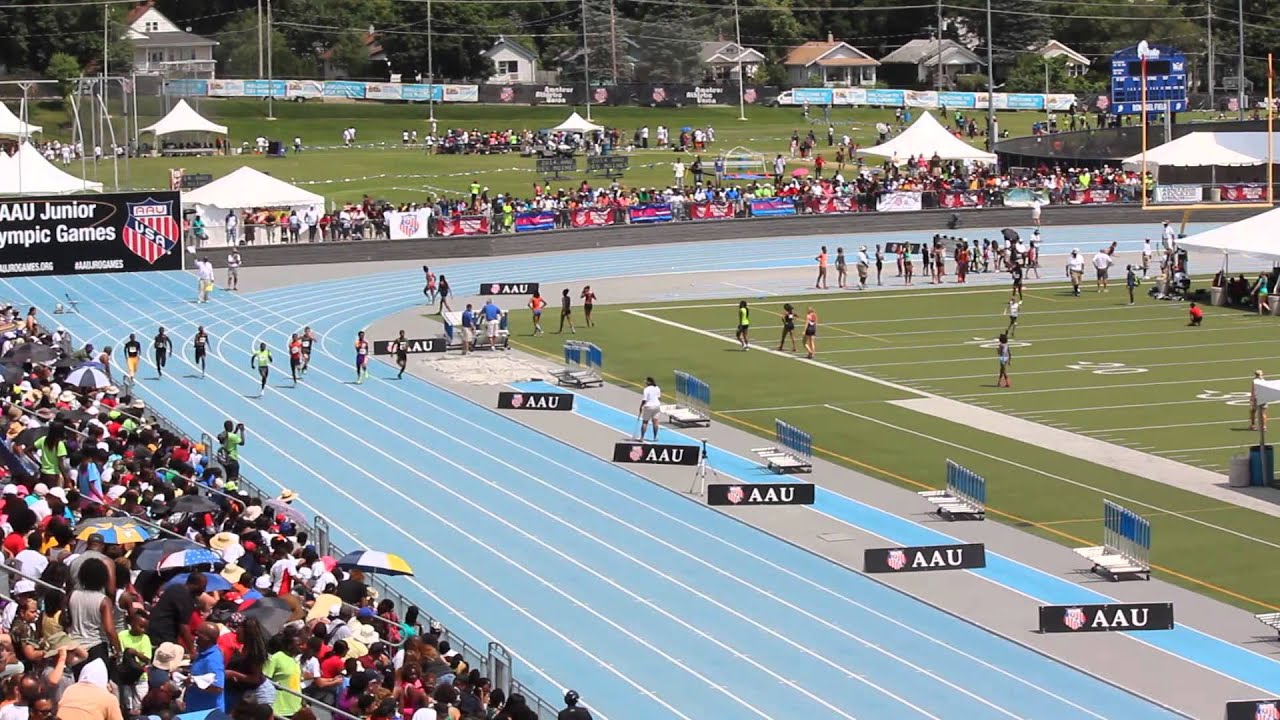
[(74, 234), (1106, 618), (917, 559), (409, 225), (535, 401), (656, 453)]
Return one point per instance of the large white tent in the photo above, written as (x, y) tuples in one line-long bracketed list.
[(927, 137), (575, 123), (12, 126), (184, 119), (243, 189), (1209, 149), (1254, 236), (29, 173)]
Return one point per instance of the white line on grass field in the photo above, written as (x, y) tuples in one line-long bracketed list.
[(1073, 388), (1127, 406), (763, 409), (882, 295), (1193, 451), (1165, 427), (1216, 361), (1060, 478), (1083, 352), (983, 328)]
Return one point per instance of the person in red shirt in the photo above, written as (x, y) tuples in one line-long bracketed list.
[(1197, 315), (295, 356)]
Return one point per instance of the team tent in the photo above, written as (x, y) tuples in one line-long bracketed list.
[(927, 137), (1255, 236), (29, 173), (246, 189), (12, 126), (184, 119), (575, 123), (1208, 149)]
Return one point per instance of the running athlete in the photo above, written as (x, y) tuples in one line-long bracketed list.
[(744, 323), (261, 359), (201, 343), (295, 357), (306, 338), (402, 354), (811, 332), (362, 358), (132, 354), (162, 346), (444, 296), (588, 301), (1002, 351), (536, 303), (566, 312), (788, 327), (430, 288)]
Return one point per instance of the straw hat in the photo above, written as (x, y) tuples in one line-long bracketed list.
[(222, 541), (252, 513), (232, 573), (324, 603), (288, 496), (356, 649), (169, 656), (363, 634)]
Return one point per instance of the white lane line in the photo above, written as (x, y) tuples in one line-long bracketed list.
[(1083, 352), (1217, 361), (748, 288), (1193, 451), (764, 409), (1164, 427), (1086, 388)]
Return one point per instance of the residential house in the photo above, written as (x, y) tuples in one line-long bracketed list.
[(1077, 64), (830, 63), (916, 64), (513, 63), (723, 58), (162, 48)]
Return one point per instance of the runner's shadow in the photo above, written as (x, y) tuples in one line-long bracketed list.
[(192, 376)]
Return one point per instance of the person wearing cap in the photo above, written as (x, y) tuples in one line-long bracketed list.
[(572, 711), (1075, 270)]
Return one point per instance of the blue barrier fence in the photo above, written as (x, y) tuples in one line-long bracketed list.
[(966, 485), (793, 438), (692, 392), (1126, 532), (583, 355)]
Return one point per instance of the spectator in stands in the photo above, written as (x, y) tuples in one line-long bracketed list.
[(205, 686), (91, 698), (571, 710)]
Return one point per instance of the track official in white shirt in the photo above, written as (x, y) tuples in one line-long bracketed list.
[(650, 403)]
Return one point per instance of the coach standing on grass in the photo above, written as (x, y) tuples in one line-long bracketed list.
[(1075, 271), (1102, 264)]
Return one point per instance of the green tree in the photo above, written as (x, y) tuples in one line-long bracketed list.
[(64, 68), (461, 34)]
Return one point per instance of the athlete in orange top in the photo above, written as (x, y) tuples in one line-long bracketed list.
[(821, 282), (536, 303)]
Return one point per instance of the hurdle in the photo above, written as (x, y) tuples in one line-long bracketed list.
[(965, 497), (582, 363), (1126, 545), (693, 402), (792, 454)]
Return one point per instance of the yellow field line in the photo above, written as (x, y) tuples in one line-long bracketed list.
[(858, 334), (1201, 511), (1013, 519)]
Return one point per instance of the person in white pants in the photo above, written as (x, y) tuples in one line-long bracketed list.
[(650, 403)]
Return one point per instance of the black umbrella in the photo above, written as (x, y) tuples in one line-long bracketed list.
[(30, 435), (153, 551), (12, 373), (1010, 235), (272, 612), (31, 352), (194, 504)]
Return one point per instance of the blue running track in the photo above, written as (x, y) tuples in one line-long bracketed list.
[(650, 604)]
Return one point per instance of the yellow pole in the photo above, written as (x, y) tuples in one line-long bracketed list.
[(1143, 117), (1271, 76)]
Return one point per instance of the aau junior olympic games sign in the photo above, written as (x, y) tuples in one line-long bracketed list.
[(77, 234)]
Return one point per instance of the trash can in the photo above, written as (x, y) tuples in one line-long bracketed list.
[(1238, 471), (1262, 465)]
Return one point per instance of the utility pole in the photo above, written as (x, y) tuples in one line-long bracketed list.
[(991, 86), (271, 85), (1240, 97), (1209, 32), (742, 94), (431, 74), (937, 70), (613, 39), (102, 89), (586, 59), (260, 65)]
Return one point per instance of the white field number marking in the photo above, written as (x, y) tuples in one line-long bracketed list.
[(990, 344), (1106, 368), (1230, 398)]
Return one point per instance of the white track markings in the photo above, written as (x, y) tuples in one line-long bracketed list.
[(1087, 388)]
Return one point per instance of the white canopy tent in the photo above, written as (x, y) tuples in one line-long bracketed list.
[(1209, 149), (29, 173), (184, 119), (12, 126), (1254, 236), (575, 123), (244, 189), (927, 137)]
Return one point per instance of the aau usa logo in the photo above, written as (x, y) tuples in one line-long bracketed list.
[(897, 559), (736, 494), (1073, 618), (517, 400), (409, 224)]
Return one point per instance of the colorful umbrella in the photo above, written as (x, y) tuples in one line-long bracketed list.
[(88, 377), (189, 558), (799, 172), (378, 563), (213, 582), (120, 531), (154, 551), (287, 511)]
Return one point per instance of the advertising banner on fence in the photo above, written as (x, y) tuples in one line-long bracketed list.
[(461, 93), (412, 346), (535, 221), (921, 559), (1244, 193), (657, 213), (961, 199), (409, 225), (76, 234), (1268, 709), (832, 205), (899, 202), (957, 100), (1178, 193), (592, 217), (813, 96), (226, 88), (771, 207), (1093, 196), (1025, 197), (305, 89), (451, 227), (422, 93), (535, 401), (710, 211), (265, 88), (761, 494), (891, 98), (344, 89), (1106, 618), (921, 98), (186, 87), (382, 91)]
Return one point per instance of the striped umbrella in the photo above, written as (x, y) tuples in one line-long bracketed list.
[(114, 532), (189, 558), (87, 376), (378, 563)]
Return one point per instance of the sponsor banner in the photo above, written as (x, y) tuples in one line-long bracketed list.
[(813, 96), (656, 453), (957, 100), (461, 93), (1178, 193), (922, 559), (498, 288), (226, 88), (849, 96), (899, 202), (656, 213), (77, 234), (535, 401), (891, 98), (1106, 618), (761, 494), (450, 227), (383, 91), (344, 89), (187, 87), (412, 346), (592, 217), (832, 205), (534, 221), (1093, 196), (710, 211), (891, 248), (265, 88), (1244, 193), (421, 92), (705, 95), (1059, 101), (1268, 709), (410, 225), (1021, 101), (774, 206), (660, 96), (304, 89), (555, 95), (1025, 197), (921, 98), (961, 199)]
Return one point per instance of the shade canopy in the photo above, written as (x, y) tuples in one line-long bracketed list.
[(12, 126), (1267, 391), (576, 123), (29, 173), (926, 137), (1208, 149), (183, 118), (249, 188), (1254, 236)]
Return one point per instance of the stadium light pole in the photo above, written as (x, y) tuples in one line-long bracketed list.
[(937, 70), (271, 89), (742, 92), (1240, 65), (991, 87), (586, 59), (260, 66), (431, 73)]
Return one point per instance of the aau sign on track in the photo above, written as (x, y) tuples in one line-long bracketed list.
[(920, 559), (761, 494), (508, 288), (656, 453), (535, 401), (1106, 618)]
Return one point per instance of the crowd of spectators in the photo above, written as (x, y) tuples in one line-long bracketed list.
[(142, 580)]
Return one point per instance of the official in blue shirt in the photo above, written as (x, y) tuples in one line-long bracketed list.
[(491, 315), (208, 661), (468, 329)]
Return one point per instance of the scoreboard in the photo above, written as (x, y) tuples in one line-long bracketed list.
[(1166, 81)]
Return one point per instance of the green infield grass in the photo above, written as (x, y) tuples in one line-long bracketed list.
[(1136, 376)]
